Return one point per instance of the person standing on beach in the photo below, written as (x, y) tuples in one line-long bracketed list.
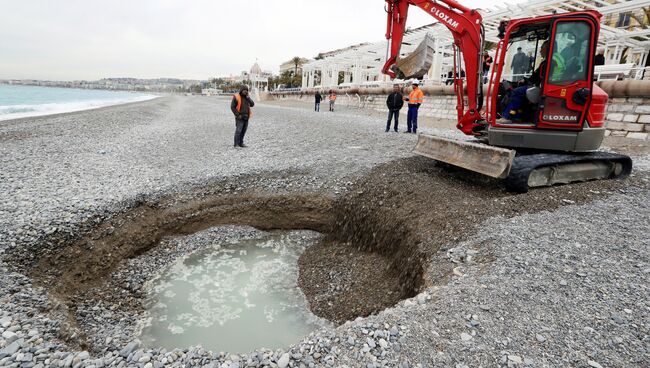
[(332, 100), (415, 99), (241, 107), (599, 59), (318, 98), (394, 102)]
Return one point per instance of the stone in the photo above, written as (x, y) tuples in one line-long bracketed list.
[(644, 119), (630, 118), (642, 109), (621, 108), (371, 343), (283, 362), (84, 355), (129, 348), (67, 362), (615, 125), (465, 336), (637, 135), (383, 343), (618, 319), (615, 116), (634, 127), (5, 322), (540, 338), (9, 336), (515, 359), (594, 364)]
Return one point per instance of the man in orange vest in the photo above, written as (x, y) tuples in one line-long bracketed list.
[(415, 99), (241, 107), (332, 100)]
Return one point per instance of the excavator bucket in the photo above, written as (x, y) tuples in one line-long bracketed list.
[(487, 160), (417, 63)]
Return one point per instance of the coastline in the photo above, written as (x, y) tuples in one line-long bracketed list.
[(66, 113), (35, 114)]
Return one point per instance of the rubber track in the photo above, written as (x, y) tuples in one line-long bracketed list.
[(524, 164)]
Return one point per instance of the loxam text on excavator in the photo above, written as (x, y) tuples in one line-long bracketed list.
[(530, 129)]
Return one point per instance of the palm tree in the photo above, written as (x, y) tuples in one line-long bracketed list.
[(296, 61)]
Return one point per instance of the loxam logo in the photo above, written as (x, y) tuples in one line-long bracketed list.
[(444, 17), (569, 118)]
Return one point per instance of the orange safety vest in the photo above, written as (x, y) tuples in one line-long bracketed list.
[(238, 98), (332, 97), (416, 97)]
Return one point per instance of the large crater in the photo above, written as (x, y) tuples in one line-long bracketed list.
[(382, 241)]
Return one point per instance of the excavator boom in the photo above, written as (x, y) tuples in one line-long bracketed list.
[(466, 28)]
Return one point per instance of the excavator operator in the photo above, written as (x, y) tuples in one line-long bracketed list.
[(521, 96), (538, 75)]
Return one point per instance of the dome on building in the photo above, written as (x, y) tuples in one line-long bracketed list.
[(255, 69)]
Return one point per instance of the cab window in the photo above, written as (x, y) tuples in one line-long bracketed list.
[(571, 53)]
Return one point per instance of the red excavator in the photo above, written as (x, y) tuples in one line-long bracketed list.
[(537, 126)]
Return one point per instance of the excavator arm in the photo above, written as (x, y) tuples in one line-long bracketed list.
[(466, 28)]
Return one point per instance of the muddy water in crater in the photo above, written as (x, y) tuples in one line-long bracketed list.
[(233, 298)]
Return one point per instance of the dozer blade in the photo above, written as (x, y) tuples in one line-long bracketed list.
[(487, 160), (417, 63)]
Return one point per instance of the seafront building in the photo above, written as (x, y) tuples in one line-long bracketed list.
[(625, 37)]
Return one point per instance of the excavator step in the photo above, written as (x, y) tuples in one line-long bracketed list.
[(546, 169)]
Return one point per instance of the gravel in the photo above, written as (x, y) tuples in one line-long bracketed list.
[(567, 287)]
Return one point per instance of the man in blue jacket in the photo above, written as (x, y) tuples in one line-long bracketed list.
[(395, 101)]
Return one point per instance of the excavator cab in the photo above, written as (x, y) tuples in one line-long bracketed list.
[(543, 98)]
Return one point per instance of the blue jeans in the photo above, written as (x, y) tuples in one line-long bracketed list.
[(412, 119), (317, 108), (516, 103), (392, 113)]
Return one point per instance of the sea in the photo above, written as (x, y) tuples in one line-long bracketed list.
[(26, 101)]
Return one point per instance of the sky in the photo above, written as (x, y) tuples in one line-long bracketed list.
[(189, 39)]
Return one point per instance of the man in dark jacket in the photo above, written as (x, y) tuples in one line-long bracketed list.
[(318, 98), (519, 63), (241, 107), (395, 101), (599, 59)]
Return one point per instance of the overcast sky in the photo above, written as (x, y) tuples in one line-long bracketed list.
[(193, 39)]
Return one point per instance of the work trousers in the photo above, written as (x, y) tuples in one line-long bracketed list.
[(412, 119), (392, 113), (317, 107), (240, 131)]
